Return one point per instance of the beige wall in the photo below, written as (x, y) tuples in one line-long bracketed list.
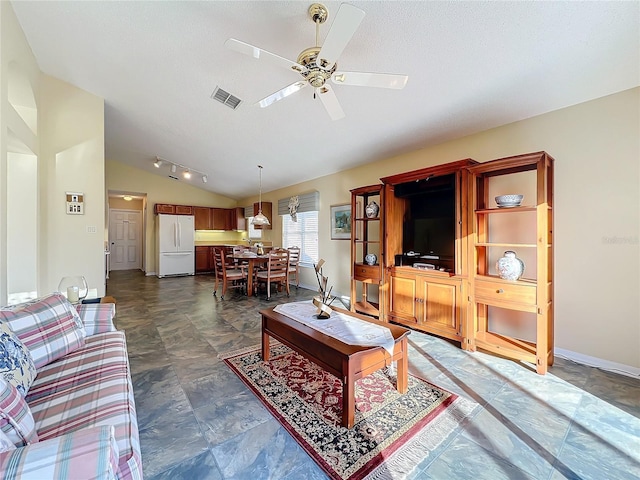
[(158, 189), (63, 127), (15, 135), (596, 146), (71, 132)]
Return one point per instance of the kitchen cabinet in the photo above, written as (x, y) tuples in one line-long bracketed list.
[(240, 223), (228, 219), (202, 218), (169, 209), (221, 218), (164, 208), (203, 259)]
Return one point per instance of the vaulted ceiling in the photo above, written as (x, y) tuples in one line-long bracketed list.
[(471, 66)]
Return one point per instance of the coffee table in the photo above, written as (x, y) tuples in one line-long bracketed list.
[(347, 362)]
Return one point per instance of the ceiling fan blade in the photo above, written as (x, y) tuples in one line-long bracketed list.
[(261, 54), (364, 79), (344, 26), (280, 94), (330, 102)]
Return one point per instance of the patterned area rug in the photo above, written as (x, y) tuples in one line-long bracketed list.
[(392, 432)]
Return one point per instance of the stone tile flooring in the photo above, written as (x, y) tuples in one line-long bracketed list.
[(198, 421)]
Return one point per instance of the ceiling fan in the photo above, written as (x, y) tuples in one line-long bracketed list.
[(317, 64)]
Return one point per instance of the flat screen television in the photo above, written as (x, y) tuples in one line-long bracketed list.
[(430, 222)]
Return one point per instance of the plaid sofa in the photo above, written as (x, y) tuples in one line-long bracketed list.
[(75, 418)]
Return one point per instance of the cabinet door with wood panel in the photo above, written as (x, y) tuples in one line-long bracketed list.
[(220, 219), (172, 209), (240, 223), (203, 259), (402, 303), (202, 218), (184, 210), (164, 208), (430, 304)]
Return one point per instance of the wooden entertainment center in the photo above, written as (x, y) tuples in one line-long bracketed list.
[(440, 235)]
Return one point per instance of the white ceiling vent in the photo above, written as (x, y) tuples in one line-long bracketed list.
[(226, 98)]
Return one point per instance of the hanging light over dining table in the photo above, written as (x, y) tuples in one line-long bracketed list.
[(260, 218)]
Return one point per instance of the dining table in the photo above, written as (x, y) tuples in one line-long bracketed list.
[(252, 262)]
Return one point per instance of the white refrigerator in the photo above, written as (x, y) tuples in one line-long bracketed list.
[(175, 244)]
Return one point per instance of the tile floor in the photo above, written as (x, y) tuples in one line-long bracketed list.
[(198, 421)]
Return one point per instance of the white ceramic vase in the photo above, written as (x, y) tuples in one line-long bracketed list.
[(510, 267), (370, 259), (372, 210)]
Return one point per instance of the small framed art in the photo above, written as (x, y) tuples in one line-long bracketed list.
[(341, 222)]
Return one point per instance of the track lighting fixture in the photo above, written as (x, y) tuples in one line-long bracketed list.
[(187, 172)]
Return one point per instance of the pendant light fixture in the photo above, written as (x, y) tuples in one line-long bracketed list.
[(260, 219)]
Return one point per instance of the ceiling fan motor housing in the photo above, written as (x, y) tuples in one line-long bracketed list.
[(315, 74)]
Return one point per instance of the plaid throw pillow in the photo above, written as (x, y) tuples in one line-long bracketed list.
[(16, 364), (16, 420), (49, 327)]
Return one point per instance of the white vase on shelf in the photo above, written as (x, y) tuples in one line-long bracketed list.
[(510, 267), (372, 209)]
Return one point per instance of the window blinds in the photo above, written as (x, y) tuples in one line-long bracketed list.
[(309, 202)]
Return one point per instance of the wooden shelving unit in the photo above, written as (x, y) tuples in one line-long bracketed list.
[(531, 229), (367, 294), (432, 301)]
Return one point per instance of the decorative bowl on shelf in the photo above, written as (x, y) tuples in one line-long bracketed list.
[(509, 200)]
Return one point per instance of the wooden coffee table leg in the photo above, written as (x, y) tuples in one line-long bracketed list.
[(403, 367), (348, 396), (265, 346)]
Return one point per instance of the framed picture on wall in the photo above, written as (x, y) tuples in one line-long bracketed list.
[(341, 222)]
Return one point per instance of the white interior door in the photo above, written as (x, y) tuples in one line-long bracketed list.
[(125, 240)]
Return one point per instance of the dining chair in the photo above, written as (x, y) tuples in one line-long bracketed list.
[(229, 277), (294, 270), (277, 271)]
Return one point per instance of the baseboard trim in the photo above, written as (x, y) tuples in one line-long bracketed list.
[(607, 365)]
